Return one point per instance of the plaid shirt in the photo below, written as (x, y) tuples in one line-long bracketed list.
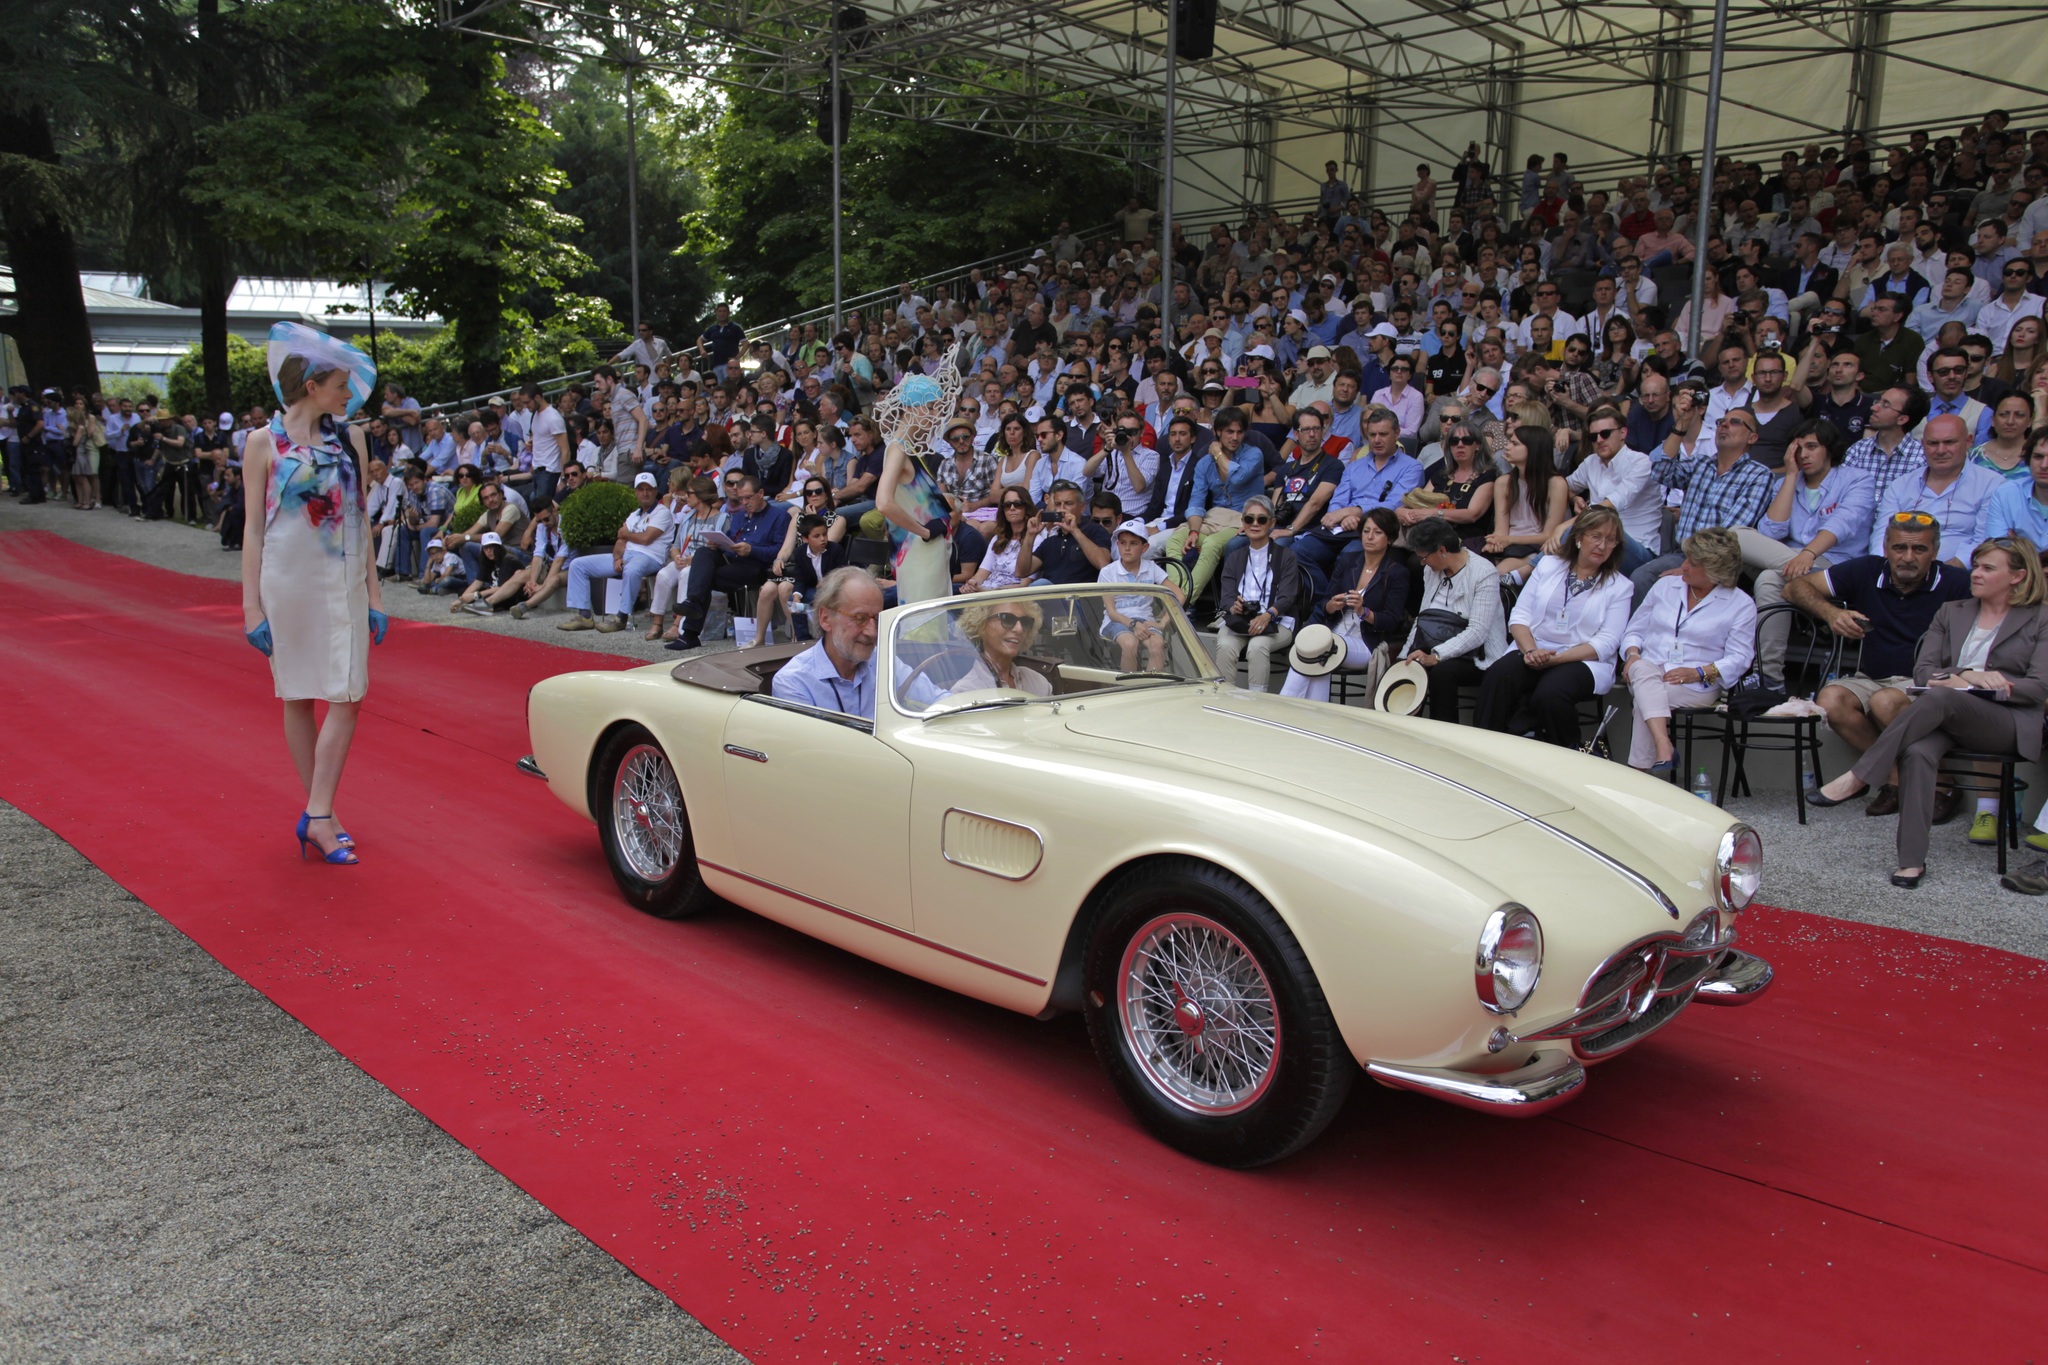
[(975, 484), (1883, 469), (439, 499), (1737, 498)]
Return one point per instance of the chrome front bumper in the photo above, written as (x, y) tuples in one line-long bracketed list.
[(1736, 979), (1547, 1080)]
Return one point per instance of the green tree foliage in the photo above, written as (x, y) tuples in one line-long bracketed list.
[(590, 121), (400, 154), (915, 196), (248, 380)]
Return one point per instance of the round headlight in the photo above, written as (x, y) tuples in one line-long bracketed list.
[(1739, 867), (1510, 959)]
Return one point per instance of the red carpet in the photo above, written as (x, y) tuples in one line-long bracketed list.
[(824, 1161)]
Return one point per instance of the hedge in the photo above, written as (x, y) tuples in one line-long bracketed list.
[(593, 514)]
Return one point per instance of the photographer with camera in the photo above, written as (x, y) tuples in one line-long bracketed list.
[(1061, 545), (1126, 466), (1828, 381)]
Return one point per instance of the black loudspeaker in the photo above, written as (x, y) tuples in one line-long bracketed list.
[(1195, 29), (825, 109)]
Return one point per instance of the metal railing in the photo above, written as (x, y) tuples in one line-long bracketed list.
[(953, 277)]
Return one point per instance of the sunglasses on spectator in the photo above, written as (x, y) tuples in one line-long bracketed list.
[(1749, 427), (1010, 620), (1911, 519), (1950, 369), (1604, 433), (2019, 271), (1255, 520)]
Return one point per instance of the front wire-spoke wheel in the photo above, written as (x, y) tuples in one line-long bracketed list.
[(1198, 1014), (1208, 1018)]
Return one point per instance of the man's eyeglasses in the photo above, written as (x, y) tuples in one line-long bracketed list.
[(860, 619), (1739, 422), (1949, 369)]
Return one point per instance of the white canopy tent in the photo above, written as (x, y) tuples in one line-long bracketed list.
[(1377, 86)]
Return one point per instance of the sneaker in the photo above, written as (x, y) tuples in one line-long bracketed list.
[(578, 623), (2031, 880), (610, 624), (1886, 802), (2037, 840), (479, 608), (519, 611), (1984, 829)]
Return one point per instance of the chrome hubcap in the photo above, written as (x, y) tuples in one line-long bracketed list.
[(647, 814), (1198, 1014)]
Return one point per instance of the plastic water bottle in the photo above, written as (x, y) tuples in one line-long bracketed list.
[(1702, 788)]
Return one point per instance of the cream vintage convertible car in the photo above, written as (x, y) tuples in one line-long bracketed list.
[(1250, 897)]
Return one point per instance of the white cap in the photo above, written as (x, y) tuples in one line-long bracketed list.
[(1262, 352), (493, 538), (1383, 329), (1134, 527), (647, 479), (1298, 316), (434, 544)]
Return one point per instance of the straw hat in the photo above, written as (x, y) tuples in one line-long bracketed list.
[(1402, 689), (1317, 650)]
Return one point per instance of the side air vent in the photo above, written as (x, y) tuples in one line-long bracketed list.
[(996, 847)]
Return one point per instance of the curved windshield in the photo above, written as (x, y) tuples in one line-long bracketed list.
[(1000, 649)]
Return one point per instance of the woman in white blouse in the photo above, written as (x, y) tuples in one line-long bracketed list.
[(1566, 628), (1694, 635)]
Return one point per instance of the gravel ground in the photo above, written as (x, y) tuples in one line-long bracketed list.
[(186, 1173)]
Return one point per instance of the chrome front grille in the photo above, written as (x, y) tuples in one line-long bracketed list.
[(1636, 992)]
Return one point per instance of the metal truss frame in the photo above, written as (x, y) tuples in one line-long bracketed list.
[(1086, 74)]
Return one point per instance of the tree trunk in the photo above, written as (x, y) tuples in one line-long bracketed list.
[(216, 277), (50, 324)]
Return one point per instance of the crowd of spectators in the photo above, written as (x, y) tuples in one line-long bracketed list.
[(1475, 436)]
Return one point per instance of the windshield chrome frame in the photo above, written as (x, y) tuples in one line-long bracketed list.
[(897, 615)]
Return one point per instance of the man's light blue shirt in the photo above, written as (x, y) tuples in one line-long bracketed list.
[(812, 679), (1959, 508), (1366, 485), (2014, 509)]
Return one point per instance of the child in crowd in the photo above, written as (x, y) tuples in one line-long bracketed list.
[(444, 572), (1130, 620)]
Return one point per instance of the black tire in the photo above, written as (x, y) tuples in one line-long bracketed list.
[(1281, 1041), (677, 892)]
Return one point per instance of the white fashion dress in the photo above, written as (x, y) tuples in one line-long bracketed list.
[(315, 586)]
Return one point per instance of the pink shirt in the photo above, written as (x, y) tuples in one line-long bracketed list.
[(1650, 243)]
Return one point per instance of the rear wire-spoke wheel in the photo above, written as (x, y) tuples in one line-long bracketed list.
[(646, 827), (1208, 1017)]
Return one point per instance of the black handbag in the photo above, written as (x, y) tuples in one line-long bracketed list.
[(1240, 622), (1437, 625)]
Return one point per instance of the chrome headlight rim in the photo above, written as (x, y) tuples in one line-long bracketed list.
[(1493, 973), (1736, 879)]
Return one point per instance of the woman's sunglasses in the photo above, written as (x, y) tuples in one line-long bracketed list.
[(1010, 620), (1256, 521)]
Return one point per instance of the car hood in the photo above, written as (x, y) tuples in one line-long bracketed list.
[(1321, 748)]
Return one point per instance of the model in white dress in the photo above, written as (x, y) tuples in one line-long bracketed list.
[(315, 585)]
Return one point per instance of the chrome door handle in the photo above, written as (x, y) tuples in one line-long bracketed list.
[(755, 754)]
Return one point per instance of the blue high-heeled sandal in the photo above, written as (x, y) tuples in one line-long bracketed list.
[(341, 857)]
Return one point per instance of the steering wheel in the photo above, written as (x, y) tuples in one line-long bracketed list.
[(949, 652)]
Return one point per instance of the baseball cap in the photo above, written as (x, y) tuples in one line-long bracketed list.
[(434, 544), (1318, 353), (1383, 329), (493, 538), (1262, 352), (1134, 527), (647, 479), (1298, 316)]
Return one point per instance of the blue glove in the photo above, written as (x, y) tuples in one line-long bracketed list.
[(260, 637), (938, 526), (379, 623)]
